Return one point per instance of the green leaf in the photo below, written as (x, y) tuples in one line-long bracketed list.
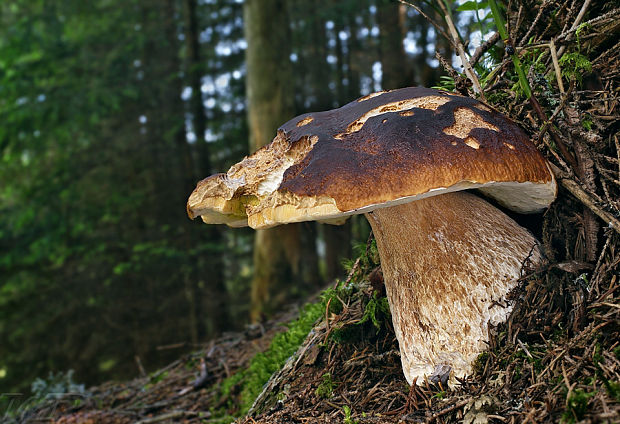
[(472, 5)]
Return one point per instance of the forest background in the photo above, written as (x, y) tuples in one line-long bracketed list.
[(111, 111)]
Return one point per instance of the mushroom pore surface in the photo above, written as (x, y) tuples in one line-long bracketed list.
[(449, 263)]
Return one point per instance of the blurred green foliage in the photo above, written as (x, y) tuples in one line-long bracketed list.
[(96, 253)]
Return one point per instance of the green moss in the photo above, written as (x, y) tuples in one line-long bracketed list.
[(156, 378), (574, 66), (613, 388), (249, 382), (480, 362), (440, 395), (347, 415), (335, 296), (375, 319), (377, 311), (576, 406), (497, 97), (325, 390)]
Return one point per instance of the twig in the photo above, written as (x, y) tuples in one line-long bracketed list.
[(617, 151), (527, 352), (556, 66), (483, 48), (461, 50), (354, 268), (199, 382), (567, 383), (585, 198), (558, 141), (433, 23), (169, 416), (140, 367), (460, 83), (610, 14), (444, 64), (575, 25), (595, 274), (541, 9), (448, 410)]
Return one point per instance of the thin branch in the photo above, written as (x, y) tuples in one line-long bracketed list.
[(170, 416), (558, 141), (461, 50), (575, 25), (541, 9), (556, 66), (584, 197), (428, 18), (483, 48)]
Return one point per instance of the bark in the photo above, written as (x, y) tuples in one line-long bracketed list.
[(269, 79), (183, 165)]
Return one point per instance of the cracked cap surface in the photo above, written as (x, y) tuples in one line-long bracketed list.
[(384, 149)]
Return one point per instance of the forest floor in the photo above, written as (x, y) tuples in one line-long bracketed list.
[(548, 363), (187, 390)]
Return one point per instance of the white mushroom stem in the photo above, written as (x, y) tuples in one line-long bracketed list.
[(449, 262)]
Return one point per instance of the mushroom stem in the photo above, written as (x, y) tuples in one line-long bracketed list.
[(449, 263)]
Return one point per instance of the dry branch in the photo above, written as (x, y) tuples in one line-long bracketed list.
[(584, 197)]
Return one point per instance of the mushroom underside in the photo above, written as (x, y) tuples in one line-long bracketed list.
[(449, 264)]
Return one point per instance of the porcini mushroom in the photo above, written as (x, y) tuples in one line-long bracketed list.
[(403, 158)]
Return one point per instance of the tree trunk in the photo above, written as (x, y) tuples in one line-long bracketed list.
[(208, 291), (184, 167), (194, 72), (353, 66), (424, 74), (270, 103), (396, 70), (337, 248)]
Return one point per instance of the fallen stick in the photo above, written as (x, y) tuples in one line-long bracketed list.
[(575, 189)]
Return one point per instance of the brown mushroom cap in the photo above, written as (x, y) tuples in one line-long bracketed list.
[(384, 149)]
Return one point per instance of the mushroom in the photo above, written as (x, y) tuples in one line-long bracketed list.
[(403, 158)]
